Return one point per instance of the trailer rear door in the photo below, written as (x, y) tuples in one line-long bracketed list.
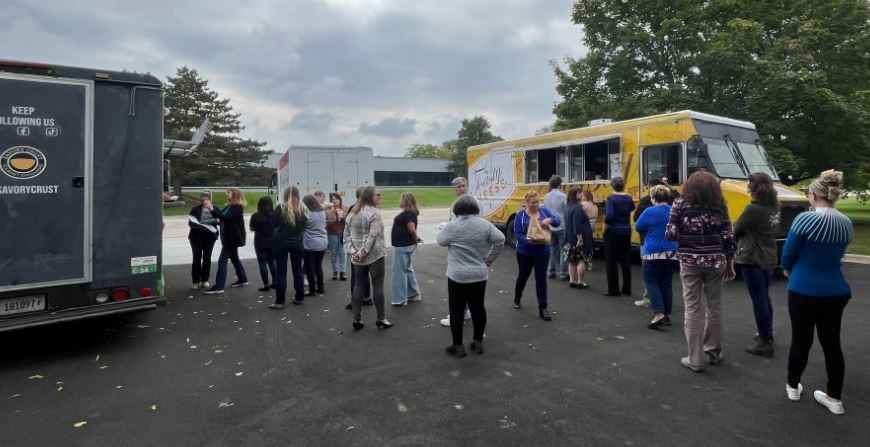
[(320, 172), (45, 181)]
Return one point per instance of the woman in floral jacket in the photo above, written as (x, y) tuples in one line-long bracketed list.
[(700, 224)]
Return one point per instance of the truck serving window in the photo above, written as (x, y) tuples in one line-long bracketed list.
[(722, 159), (756, 159), (541, 164), (662, 161)]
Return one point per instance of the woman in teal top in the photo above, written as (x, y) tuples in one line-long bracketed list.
[(817, 288)]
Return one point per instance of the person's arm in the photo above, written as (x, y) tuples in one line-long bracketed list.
[(631, 204), (642, 205), (376, 228), (793, 244), (276, 217), (747, 219), (729, 245), (642, 223), (445, 236), (496, 238), (412, 228), (672, 230), (608, 211), (554, 219), (519, 230), (254, 218)]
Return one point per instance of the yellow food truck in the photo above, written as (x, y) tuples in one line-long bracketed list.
[(671, 146)]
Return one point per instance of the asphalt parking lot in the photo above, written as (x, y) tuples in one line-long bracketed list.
[(227, 371)]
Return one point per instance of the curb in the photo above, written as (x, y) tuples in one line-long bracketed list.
[(857, 259)]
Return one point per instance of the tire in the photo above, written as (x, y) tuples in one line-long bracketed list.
[(510, 237)]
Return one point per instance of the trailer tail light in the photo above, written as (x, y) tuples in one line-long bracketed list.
[(145, 292), (120, 294), (102, 297)]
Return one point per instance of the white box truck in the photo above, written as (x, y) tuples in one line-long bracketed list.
[(326, 168)]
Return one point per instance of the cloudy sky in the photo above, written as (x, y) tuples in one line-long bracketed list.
[(382, 73)]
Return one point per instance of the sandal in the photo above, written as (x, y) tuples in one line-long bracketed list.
[(276, 306)]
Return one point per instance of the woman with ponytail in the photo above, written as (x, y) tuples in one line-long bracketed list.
[(289, 221), (817, 288)]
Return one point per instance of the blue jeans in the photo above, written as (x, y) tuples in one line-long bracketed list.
[(337, 255), (295, 252), (658, 276), (758, 282), (404, 279), (557, 241), (231, 254), (266, 260), (526, 264)]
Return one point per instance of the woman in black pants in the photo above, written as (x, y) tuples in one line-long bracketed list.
[(817, 288), (617, 238), (202, 239), (473, 244), (315, 243), (264, 241), (233, 235)]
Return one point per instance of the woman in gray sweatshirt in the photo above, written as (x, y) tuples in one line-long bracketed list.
[(364, 242), (473, 244)]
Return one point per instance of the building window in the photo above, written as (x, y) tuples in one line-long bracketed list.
[(662, 161)]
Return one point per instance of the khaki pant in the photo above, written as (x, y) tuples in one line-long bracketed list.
[(703, 326)]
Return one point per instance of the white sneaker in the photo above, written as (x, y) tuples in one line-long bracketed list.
[(416, 297), (467, 314), (446, 321), (834, 407), (195, 286), (205, 285), (794, 393), (641, 303)]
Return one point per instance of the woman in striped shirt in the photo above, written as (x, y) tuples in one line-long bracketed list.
[(817, 288)]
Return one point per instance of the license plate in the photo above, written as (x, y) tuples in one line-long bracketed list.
[(22, 304)]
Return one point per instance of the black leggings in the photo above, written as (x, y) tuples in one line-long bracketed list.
[(808, 313), (617, 254), (462, 294), (313, 264)]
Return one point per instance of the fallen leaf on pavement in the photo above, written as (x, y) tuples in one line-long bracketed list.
[(35, 376), (80, 424)]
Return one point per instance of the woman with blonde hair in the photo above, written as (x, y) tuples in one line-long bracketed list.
[(812, 259), (289, 221), (533, 254), (233, 235), (364, 241), (404, 240), (699, 223)]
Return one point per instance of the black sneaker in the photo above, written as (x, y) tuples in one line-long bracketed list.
[(213, 291), (456, 351), (264, 289), (239, 284)]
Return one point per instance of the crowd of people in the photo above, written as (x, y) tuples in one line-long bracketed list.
[(689, 232)]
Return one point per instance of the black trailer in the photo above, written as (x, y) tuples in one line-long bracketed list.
[(81, 167)]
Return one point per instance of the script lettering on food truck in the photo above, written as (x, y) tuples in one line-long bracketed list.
[(490, 181)]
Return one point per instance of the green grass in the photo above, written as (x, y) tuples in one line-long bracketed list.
[(860, 215), (220, 199), (426, 198)]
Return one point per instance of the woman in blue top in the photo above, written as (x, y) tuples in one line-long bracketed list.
[(817, 288), (659, 255), (532, 256), (617, 238)]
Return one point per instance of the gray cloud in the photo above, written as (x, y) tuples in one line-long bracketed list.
[(353, 68), (390, 127), (310, 121)]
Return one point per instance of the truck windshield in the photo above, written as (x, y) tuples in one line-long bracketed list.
[(756, 159), (723, 160)]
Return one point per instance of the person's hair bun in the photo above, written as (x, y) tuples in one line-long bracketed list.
[(831, 178)]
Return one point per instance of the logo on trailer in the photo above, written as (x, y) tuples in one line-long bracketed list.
[(22, 162)]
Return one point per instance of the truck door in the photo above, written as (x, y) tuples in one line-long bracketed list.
[(346, 175), (319, 172), (45, 181)]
